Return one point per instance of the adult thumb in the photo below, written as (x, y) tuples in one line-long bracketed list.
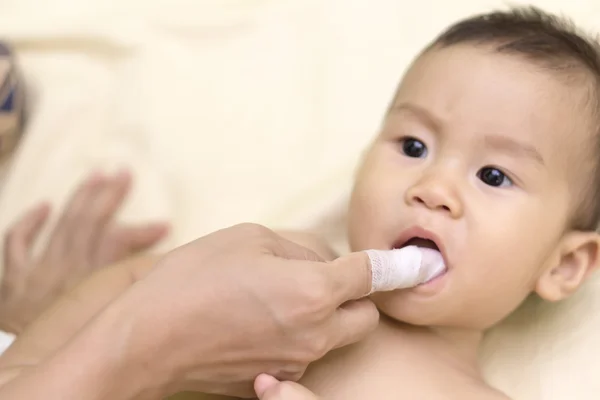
[(269, 388)]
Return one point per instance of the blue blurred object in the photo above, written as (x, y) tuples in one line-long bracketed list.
[(12, 102)]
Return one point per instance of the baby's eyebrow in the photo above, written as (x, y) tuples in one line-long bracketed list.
[(421, 113), (494, 141), (514, 146)]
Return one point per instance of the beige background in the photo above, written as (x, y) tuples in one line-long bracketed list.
[(250, 110)]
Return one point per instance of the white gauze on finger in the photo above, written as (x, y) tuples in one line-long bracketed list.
[(404, 268)]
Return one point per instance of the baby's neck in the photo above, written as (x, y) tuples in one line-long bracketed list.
[(418, 362), (456, 347)]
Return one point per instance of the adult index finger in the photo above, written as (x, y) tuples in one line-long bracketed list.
[(360, 274)]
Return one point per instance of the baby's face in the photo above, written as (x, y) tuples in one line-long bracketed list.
[(477, 154)]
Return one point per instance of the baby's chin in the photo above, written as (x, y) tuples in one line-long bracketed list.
[(422, 305), (392, 307)]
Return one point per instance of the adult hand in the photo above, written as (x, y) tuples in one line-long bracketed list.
[(210, 317), (242, 301), (269, 388), (84, 239)]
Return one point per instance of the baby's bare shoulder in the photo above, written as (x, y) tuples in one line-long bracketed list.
[(495, 396), (462, 391), (499, 396), (198, 396), (482, 391)]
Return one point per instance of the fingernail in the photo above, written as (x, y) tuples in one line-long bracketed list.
[(161, 226), (122, 175), (41, 208), (263, 383), (95, 176), (123, 171), (158, 231), (157, 226)]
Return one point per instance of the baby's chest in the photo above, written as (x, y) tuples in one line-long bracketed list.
[(360, 376)]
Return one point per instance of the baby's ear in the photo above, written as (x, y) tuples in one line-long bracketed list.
[(577, 256)]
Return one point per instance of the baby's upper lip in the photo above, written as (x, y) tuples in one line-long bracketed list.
[(422, 233)]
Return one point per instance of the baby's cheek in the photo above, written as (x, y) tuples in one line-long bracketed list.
[(362, 228), (369, 218), (509, 262)]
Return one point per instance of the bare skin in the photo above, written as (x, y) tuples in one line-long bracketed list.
[(396, 360), (426, 343), (477, 153), (70, 350)]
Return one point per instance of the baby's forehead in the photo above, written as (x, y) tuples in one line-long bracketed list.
[(481, 91)]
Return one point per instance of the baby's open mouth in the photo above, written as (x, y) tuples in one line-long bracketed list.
[(420, 242)]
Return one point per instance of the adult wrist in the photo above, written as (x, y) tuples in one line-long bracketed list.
[(156, 349), (108, 360), (127, 359), (95, 365)]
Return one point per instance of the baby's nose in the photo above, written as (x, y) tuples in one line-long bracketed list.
[(437, 194)]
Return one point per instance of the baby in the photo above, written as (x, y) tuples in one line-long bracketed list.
[(489, 153)]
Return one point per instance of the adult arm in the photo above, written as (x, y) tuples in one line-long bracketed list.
[(210, 316), (47, 360)]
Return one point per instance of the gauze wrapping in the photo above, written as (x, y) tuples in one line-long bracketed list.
[(404, 268)]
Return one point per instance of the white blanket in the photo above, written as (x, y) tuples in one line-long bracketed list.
[(250, 110)]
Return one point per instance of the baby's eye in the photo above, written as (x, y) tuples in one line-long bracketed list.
[(414, 148), (494, 177)]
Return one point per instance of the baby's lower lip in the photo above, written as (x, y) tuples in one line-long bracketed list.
[(435, 279)]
